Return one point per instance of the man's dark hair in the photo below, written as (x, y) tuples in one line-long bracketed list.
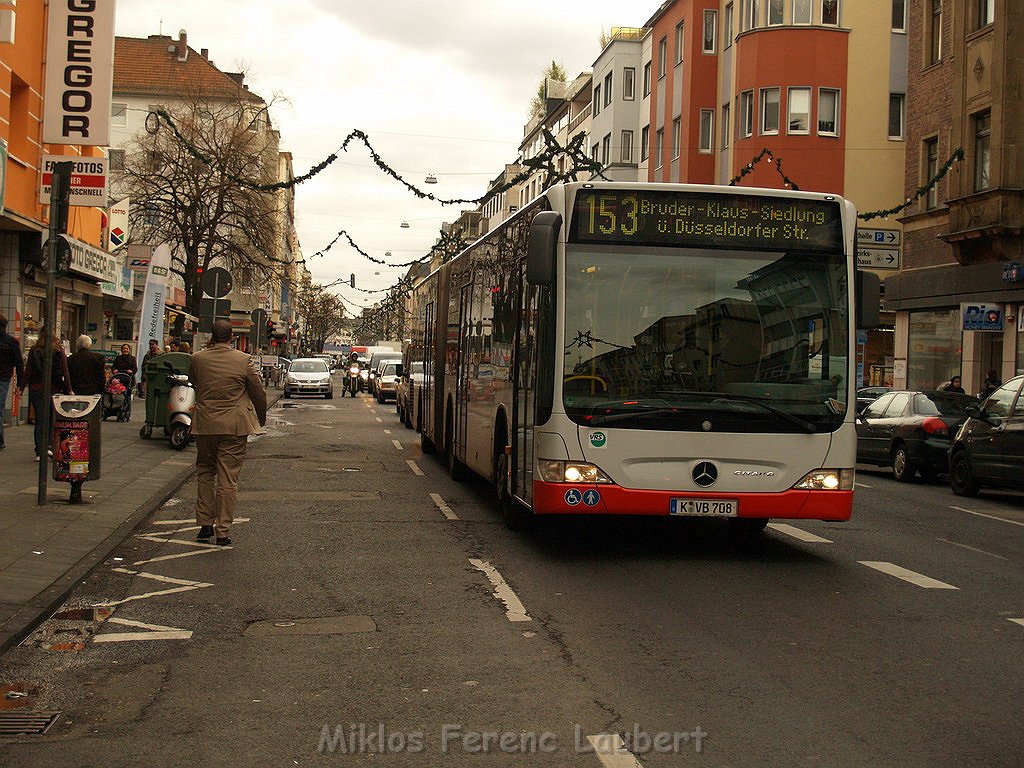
[(3, 323), (221, 331)]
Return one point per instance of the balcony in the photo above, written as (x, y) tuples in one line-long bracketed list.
[(583, 115)]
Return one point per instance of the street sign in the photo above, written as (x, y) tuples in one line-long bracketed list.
[(878, 258), (216, 282), (879, 248), (210, 310), (879, 238)]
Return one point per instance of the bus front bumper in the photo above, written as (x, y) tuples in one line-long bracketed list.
[(609, 499)]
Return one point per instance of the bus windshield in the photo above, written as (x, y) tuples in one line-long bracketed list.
[(705, 339)]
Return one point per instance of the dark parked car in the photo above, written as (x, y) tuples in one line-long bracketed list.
[(989, 448), (867, 395), (911, 431)]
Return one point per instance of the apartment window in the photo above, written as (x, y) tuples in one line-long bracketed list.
[(662, 56), (707, 131), (659, 147), (595, 153), (982, 149), (116, 159), (118, 113), (676, 137), (647, 79), (679, 42), (727, 26), (830, 12), (899, 15), (897, 108), (628, 84), (710, 31), (775, 12), (798, 103), (931, 168), (801, 11), (746, 124), (934, 33), (627, 147), (828, 112), (608, 89), (986, 13), (597, 100), (769, 110), (748, 15), (606, 149), (645, 142), (725, 126)]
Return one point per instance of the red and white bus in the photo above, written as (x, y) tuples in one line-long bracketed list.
[(649, 349)]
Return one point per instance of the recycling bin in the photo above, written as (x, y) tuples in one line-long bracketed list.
[(75, 439)]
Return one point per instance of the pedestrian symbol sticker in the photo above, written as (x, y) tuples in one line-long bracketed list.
[(598, 439), (591, 498), (573, 497)]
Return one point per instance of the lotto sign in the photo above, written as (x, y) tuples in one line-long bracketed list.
[(117, 225), (88, 180)]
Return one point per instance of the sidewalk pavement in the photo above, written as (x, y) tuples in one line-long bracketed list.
[(46, 550)]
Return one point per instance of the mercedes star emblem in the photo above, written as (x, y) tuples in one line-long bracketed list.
[(705, 474)]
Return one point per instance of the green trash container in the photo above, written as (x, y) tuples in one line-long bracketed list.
[(158, 388)]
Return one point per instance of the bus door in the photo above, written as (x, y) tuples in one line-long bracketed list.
[(462, 371), (525, 388)]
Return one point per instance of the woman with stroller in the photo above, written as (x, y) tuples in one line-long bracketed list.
[(126, 365)]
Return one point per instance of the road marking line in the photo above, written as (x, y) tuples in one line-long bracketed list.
[(170, 503), (912, 577), (973, 549), (160, 578), (153, 632), (514, 609), (387, 431), (990, 517), (397, 445), (1018, 621), (193, 527), (379, 420), (184, 542), (611, 751), (861, 485), (799, 534), (414, 467), (210, 548), (447, 511)]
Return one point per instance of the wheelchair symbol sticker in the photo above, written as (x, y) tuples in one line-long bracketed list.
[(573, 497), (591, 498)]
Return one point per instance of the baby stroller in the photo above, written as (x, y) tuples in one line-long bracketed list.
[(117, 397)]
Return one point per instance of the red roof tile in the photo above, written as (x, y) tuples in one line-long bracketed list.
[(150, 67)]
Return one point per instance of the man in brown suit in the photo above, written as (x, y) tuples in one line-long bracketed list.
[(231, 404)]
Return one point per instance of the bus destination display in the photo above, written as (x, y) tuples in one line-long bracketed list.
[(697, 219)]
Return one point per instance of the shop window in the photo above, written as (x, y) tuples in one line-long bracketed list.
[(769, 111), (933, 348)]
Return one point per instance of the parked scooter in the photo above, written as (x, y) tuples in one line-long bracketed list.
[(352, 380), (181, 401)]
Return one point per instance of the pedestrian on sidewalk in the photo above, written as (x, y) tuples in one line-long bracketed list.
[(60, 380), (154, 350), (231, 404), (87, 369), (11, 369)]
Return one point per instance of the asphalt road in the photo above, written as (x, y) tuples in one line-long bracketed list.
[(372, 611)]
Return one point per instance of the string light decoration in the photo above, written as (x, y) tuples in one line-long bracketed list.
[(956, 157), (749, 168)]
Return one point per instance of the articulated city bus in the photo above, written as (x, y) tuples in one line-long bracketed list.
[(649, 349)]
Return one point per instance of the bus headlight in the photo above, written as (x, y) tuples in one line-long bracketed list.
[(570, 472), (827, 480)]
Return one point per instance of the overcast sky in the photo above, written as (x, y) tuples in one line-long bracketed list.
[(441, 87)]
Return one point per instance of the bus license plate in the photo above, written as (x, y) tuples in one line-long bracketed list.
[(705, 507)]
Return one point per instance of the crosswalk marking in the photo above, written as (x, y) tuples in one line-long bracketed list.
[(909, 576)]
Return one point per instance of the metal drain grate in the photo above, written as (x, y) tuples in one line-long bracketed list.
[(14, 723)]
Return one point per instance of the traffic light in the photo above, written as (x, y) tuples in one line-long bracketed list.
[(270, 328)]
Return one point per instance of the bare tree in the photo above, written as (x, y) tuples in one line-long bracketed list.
[(194, 178), (323, 316)]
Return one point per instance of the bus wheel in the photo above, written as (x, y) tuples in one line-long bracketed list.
[(456, 469), (426, 444), (515, 515)]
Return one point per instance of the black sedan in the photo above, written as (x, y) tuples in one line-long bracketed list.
[(867, 395), (989, 448), (911, 431)]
